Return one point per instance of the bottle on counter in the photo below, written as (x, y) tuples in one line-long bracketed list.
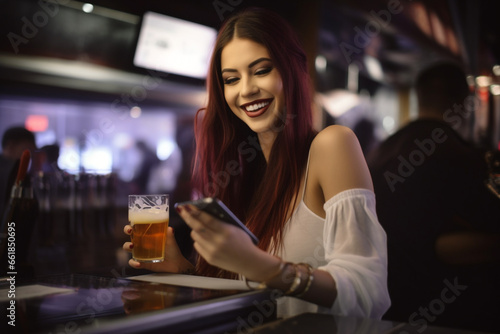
[(17, 225)]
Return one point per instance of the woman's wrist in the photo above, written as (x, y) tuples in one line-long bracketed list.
[(295, 280), (262, 267), (291, 278)]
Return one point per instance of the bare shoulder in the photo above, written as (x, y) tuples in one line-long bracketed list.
[(338, 161), (333, 138)]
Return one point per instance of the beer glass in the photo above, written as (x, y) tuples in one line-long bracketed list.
[(149, 216)]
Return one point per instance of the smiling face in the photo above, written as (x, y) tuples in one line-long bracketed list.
[(253, 88)]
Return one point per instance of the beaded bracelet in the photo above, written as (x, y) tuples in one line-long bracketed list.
[(310, 279)]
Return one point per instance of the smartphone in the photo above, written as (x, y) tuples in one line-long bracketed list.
[(216, 208)]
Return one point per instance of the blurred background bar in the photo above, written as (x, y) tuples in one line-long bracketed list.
[(110, 89)]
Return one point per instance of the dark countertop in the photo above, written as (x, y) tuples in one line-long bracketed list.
[(91, 304), (167, 304)]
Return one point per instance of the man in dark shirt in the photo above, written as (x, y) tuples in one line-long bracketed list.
[(442, 222)]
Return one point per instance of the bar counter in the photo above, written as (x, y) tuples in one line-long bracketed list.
[(165, 303)]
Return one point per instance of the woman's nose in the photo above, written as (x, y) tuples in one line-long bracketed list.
[(249, 87)]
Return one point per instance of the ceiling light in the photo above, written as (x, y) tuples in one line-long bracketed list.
[(88, 7), (496, 70), (320, 63), (483, 81), (374, 67), (495, 89), (135, 112)]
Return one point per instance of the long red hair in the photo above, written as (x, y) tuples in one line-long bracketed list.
[(228, 163)]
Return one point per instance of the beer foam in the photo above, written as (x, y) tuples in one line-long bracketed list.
[(148, 216)]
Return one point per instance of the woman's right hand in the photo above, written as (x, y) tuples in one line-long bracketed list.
[(174, 261)]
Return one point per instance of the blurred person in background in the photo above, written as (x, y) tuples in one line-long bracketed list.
[(148, 161), (442, 222), (49, 159), (365, 132)]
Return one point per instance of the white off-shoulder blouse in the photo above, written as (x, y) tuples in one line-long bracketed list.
[(350, 244)]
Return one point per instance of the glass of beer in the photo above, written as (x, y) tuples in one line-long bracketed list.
[(148, 215)]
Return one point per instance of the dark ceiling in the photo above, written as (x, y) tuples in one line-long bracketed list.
[(474, 21), (327, 26)]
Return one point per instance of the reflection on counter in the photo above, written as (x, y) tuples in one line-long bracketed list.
[(150, 298), (81, 303), (91, 304)]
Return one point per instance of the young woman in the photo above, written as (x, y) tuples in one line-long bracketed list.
[(308, 197)]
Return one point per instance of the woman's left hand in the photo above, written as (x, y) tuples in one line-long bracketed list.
[(219, 243)]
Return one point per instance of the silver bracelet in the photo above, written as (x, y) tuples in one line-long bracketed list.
[(310, 279), (296, 281)]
